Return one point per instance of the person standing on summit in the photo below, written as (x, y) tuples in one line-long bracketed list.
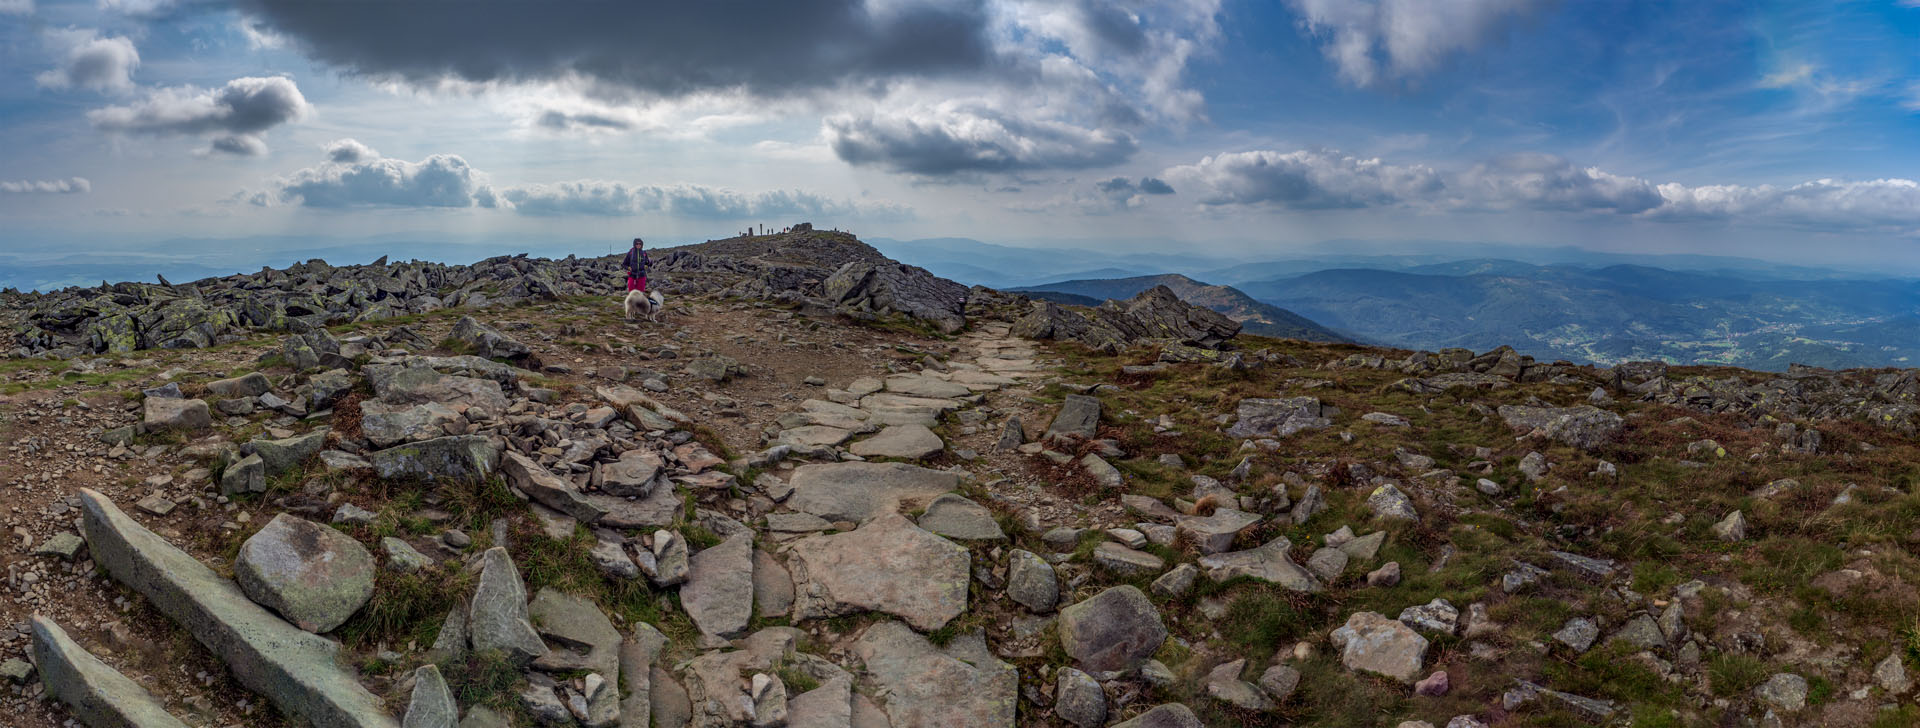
[(635, 264)]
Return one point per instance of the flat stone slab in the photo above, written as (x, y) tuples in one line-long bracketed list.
[(577, 624), (925, 386), (856, 491), (299, 671), (1116, 629), (831, 414), (813, 436), (1214, 534), (922, 686), (1269, 562), (461, 457), (718, 595), (97, 694), (1079, 417), (953, 516), (910, 442), (888, 565)]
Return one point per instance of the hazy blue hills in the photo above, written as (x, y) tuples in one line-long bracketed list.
[(1254, 316)]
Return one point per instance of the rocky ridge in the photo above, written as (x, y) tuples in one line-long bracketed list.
[(762, 515)]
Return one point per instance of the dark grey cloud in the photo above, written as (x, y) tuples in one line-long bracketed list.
[(1115, 186), (563, 121), (619, 199), (239, 145), (1155, 186), (76, 185), (946, 142), (244, 107), (650, 47)]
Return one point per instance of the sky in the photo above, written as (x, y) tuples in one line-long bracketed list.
[(1779, 130)]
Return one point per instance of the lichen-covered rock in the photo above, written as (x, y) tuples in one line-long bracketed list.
[(1586, 427), (1155, 314), (887, 287)]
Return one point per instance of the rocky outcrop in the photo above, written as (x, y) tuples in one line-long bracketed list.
[(296, 670), (1156, 314), (1586, 427), (892, 288)]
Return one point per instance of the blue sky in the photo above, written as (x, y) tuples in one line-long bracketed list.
[(1784, 130)]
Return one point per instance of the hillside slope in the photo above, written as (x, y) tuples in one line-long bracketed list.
[(1258, 318)]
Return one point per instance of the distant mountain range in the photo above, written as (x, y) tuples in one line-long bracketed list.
[(1617, 313), (1255, 317)]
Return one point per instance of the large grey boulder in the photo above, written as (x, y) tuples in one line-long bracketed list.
[(961, 686), (432, 703), (497, 619), (1079, 417), (279, 456), (187, 415), (460, 457), (1114, 630), (313, 575), (1280, 418), (718, 595), (888, 565), (1586, 427), (252, 384), (1031, 582), (386, 425), (548, 489), (1077, 699), (96, 693), (587, 638), (1370, 642), (298, 671), (420, 385), (1269, 562), (486, 341), (856, 491), (1215, 533)]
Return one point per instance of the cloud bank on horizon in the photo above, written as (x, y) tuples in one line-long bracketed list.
[(1705, 127)]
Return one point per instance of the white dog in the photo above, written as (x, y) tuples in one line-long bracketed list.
[(644, 304)]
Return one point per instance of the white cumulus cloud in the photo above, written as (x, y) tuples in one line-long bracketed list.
[(90, 61), (1303, 180), (356, 176), (1369, 40), (75, 185)]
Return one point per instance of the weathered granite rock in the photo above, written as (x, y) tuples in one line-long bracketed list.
[(1031, 582), (188, 415), (279, 456), (887, 287), (1079, 417), (296, 670), (548, 489), (718, 595), (460, 457), (1113, 630), (432, 704), (314, 576), (1586, 427), (1269, 562), (96, 693), (920, 686), (1170, 715), (1077, 699), (1214, 534), (1373, 643), (486, 341), (497, 618), (953, 516)]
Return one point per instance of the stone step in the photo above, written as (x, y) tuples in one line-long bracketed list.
[(299, 671), (98, 694)]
